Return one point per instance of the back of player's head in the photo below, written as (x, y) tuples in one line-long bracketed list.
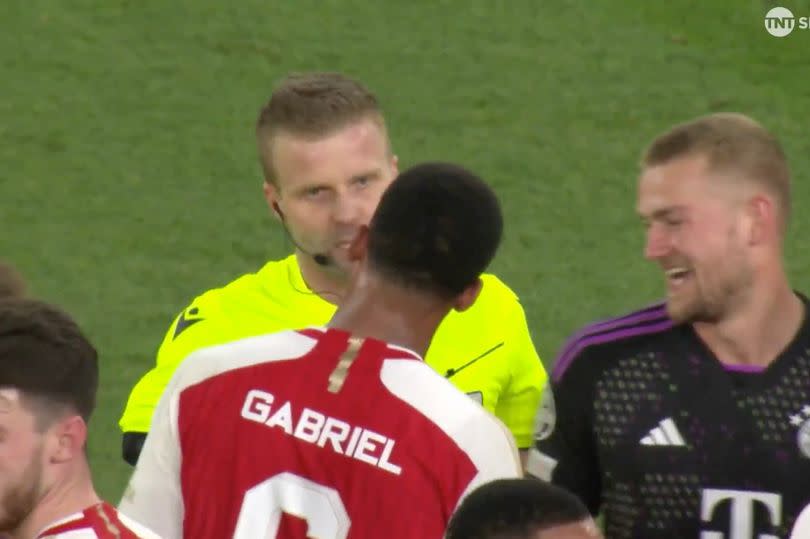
[(45, 356), (312, 105), (12, 285), (437, 228), (514, 509), (730, 142)]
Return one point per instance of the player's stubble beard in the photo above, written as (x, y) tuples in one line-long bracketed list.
[(717, 286), (17, 503)]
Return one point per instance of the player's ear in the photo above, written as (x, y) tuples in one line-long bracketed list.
[(466, 299), (67, 439), (359, 245), (395, 164), (271, 196), (760, 220)]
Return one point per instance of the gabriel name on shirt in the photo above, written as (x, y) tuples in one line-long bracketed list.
[(320, 429)]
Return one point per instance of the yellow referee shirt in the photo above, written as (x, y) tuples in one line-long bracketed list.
[(486, 351)]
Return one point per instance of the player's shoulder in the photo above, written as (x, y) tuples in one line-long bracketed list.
[(597, 342), (472, 429), (435, 397), (140, 531), (100, 521), (210, 361)]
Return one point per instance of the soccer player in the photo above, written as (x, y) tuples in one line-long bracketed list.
[(521, 509), (691, 418), (11, 282), (48, 381), (340, 431), (326, 157)]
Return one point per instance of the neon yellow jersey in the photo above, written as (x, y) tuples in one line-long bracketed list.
[(486, 351)]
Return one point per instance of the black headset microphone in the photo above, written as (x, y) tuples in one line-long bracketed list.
[(322, 259), (319, 258)]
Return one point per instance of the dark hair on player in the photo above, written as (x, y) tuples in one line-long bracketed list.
[(12, 284), (437, 228), (514, 509), (45, 355)]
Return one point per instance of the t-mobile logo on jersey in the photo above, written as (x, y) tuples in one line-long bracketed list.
[(742, 512)]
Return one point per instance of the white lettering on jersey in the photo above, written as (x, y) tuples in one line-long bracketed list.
[(282, 418), (319, 429), (742, 512), (335, 431), (309, 426)]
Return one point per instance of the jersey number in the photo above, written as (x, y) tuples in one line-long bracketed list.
[(319, 505)]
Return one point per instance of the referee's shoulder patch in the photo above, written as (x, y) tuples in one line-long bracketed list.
[(187, 318)]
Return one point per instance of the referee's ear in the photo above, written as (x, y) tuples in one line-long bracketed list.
[(466, 299), (271, 197)]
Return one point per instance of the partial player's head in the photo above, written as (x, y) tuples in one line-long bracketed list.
[(521, 509), (435, 231), (48, 381), (12, 285), (714, 194), (326, 159)]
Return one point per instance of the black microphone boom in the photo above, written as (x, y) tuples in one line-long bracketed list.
[(322, 259), (319, 258)]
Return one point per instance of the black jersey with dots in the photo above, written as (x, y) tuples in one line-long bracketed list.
[(655, 433)]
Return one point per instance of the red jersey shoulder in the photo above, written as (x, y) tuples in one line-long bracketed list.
[(100, 521)]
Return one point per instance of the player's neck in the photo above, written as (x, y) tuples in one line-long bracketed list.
[(329, 285), (379, 310), (758, 331), (73, 494)]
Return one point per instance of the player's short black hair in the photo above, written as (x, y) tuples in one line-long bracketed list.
[(514, 509), (437, 228), (45, 356)]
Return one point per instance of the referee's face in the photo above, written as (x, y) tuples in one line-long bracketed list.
[(695, 233), (328, 187)]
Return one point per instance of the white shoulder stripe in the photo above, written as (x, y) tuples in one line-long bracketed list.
[(214, 360), (486, 440)]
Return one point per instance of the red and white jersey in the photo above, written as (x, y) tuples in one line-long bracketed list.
[(316, 434), (100, 521)]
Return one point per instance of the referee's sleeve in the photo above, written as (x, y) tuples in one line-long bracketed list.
[(143, 398), (187, 333), (518, 403)]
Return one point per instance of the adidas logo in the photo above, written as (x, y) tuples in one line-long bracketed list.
[(665, 434)]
